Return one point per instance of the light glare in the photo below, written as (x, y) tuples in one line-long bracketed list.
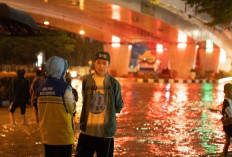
[(73, 74), (46, 22), (182, 39), (115, 41), (115, 44), (182, 45), (159, 48), (39, 59), (209, 46), (82, 32), (222, 57), (115, 12)]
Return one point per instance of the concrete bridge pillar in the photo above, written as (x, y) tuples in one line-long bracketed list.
[(209, 61), (163, 57), (181, 60), (120, 58)]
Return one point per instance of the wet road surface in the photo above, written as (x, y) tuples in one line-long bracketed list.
[(158, 120)]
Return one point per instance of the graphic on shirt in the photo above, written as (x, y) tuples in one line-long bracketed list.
[(98, 104)]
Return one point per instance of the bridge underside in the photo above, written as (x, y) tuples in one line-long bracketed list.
[(133, 24)]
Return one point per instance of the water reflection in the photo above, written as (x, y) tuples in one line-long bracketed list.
[(170, 120), (157, 120)]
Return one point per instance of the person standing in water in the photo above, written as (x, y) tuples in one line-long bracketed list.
[(55, 110), (35, 85), (101, 101), (20, 95)]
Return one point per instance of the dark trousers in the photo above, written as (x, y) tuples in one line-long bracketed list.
[(88, 145), (58, 150), (14, 105)]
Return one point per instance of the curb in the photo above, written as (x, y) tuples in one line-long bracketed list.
[(150, 80)]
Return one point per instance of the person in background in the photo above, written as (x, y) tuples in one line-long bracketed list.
[(74, 91), (227, 113), (36, 83), (101, 101), (55, 110), (20, 95)]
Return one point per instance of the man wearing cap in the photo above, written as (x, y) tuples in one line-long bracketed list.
[(101, 101)]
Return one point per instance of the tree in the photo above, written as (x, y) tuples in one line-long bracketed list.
[(219, 10), (23, 50), (14, 50), (85, 50), (56, 42)]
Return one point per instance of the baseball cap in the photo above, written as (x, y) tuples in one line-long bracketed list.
[(102, 55)]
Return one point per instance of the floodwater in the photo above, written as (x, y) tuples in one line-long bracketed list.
[(158, 119), (170, 120)]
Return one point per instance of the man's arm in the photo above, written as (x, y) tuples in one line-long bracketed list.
[(118, 98)]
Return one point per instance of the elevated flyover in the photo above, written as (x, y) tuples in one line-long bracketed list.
[(125, 22)]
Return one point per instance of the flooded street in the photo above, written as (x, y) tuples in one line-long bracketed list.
[(170, 120), (158, 119), (19, 140)]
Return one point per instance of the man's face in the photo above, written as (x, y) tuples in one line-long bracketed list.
[(101, 67)]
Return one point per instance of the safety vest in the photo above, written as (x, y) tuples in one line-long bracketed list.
[(54, 120)]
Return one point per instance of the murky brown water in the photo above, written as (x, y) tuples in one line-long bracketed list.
[(157, 120), (170, 120)]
